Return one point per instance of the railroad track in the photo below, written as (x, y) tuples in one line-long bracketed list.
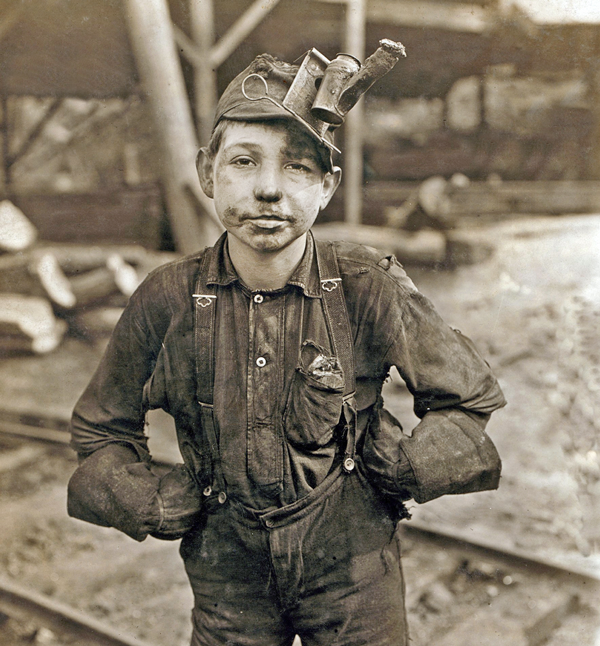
[(488, 568), (24, 605)]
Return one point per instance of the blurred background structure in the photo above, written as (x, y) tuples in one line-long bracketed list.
[(476, 161), (93, 105)]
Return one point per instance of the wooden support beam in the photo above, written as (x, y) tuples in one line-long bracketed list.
[(205, 79), (187, 46), (32, 136), (242, 27), (153, 44), (450, 16), (353, 166), (431, 15), (485, 200)]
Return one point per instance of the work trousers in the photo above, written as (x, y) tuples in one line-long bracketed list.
[(326, 568)]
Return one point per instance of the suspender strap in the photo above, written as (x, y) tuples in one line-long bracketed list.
[(204, 318), (336, 316)]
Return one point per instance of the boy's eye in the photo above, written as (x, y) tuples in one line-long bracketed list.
[(297, 166), (242, 161)]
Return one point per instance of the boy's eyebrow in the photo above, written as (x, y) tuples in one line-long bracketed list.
[(242, 144), (301, 152)]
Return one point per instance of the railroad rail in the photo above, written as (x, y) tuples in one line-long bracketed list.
[(22, 604), (55, 431), (25, 605)]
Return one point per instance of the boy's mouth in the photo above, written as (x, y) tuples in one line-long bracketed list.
[(267, 221)]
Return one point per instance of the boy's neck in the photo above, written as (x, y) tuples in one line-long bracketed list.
[(260, 270)]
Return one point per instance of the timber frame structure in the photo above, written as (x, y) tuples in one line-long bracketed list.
[(132, 46)]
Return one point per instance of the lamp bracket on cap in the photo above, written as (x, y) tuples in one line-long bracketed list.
[(254, 92), (318, 94)]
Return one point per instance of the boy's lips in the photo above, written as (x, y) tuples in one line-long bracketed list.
[(266, 216), (267, 221)]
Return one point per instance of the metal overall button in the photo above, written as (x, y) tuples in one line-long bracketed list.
[(261, 362), (207, 491), (349, 464), (258, 298), (222, 497)]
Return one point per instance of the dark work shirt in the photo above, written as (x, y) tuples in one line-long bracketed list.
[(274, 447)]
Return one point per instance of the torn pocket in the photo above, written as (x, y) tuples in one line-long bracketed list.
[(315, 400)]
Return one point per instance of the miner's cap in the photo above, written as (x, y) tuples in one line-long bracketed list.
[(249, 98)]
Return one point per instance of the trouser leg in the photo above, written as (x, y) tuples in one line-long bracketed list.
[(235, 596), (328, 570), (344, 585)]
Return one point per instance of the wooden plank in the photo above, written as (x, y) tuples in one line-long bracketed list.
[(422, 247), (96, 285), (503, 198), (27, 324), (127, 216), (17, 233)]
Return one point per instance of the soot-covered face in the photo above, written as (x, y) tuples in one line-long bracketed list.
[(268, 182)]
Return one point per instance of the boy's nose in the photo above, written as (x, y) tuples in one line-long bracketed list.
[(268, 187)]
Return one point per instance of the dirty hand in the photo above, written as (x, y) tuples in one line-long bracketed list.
[(179, 502)]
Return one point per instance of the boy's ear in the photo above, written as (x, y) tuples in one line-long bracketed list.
[(330, 183), (204, 166)]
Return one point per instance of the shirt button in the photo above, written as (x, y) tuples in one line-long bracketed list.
[(349, 464), (222, 497), (261, 362), (207, 491), (258, 298)]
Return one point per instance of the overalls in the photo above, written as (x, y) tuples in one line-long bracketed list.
[(326, 567)]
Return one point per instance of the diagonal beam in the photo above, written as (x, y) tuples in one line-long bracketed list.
[(242, 27), (33, 134), (220, 52), (187, 47)]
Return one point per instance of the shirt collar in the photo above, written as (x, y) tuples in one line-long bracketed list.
[(306, 275)]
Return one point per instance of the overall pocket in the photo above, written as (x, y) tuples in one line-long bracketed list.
[(315, 399)]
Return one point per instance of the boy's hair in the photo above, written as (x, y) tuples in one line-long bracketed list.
[(293, 128)]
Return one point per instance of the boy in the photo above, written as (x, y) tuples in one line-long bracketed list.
[(270, 351)]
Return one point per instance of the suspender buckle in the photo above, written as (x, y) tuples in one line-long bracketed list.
[(204, 300), (329, 284)]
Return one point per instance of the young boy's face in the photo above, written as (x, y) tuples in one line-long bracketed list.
[(268, 183)]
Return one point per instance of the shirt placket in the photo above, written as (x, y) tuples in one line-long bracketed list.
[(265, 359)]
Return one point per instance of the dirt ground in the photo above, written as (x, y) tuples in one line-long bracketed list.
[(533, 310)]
